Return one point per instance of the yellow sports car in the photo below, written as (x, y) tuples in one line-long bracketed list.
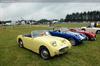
[(46, 46)]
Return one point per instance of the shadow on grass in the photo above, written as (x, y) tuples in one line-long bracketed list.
[(56, 57), (52, 58)]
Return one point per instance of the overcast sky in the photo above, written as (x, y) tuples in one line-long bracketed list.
[(15, 11)]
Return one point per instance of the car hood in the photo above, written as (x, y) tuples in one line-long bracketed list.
[(72, 33), (50, 39), (78, 35)]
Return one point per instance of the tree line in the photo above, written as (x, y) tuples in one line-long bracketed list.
[(83, 16)]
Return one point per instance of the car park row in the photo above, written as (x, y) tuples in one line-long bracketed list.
[(49, 43)]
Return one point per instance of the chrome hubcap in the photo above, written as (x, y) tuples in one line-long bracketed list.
[(21, 43), (44, 54), (98, 32)]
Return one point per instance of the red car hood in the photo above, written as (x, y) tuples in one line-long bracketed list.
[(88, 33)]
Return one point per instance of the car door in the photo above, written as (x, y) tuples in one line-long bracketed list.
[(54, 33), (28, 42), (36, 44), (32, 43), (91, 30)]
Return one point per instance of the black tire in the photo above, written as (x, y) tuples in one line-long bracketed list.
[(83, 29), (20, 43), (87, 38), (98, 32), (44, 53), (72, 41), (93, 39)]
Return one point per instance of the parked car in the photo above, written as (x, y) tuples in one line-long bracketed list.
[(91, 29), (74, 38), (90, 35), (45, 45)]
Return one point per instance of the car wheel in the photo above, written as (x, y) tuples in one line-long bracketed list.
[(83, 29), (87, 38), (44, 53), (72, 41), (20, 43), (93, 39), (98, 32)]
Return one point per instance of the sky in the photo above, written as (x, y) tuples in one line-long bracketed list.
[(39, 10)]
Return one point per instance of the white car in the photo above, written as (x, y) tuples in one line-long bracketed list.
[(91, 29)]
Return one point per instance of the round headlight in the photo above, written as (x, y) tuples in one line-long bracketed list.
[(54, 43)]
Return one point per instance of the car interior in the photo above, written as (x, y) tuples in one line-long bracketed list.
[(27, 35)]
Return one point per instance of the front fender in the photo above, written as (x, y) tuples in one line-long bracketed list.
[(19, 37), (50, 48)]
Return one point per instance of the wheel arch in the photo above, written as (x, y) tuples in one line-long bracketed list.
[(42, 46), (48, 48), (73, 37), (83, 29), (19, 39), (97, 31)]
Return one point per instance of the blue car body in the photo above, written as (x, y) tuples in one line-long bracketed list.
[(77, 37)]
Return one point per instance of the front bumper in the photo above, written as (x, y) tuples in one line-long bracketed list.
[(61, 51)]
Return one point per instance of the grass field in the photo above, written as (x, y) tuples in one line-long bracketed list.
[(87, 54)]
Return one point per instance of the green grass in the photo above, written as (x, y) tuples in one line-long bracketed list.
[(74, 25), (87, 54)]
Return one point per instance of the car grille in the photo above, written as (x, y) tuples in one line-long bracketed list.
[(62, 50)]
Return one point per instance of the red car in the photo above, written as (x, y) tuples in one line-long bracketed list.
[(90, 35)]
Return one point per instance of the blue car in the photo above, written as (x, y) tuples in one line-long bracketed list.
[(74, 38)]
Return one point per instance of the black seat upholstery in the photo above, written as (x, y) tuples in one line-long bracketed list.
[(28, 35)]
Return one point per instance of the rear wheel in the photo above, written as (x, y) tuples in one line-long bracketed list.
[(98, 32), (87, 38), (44, 53), (72, 41), (20, 43)]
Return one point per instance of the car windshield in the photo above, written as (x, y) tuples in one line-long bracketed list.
[(61, 29), (35, 34), (38, 33), (64, 30)]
